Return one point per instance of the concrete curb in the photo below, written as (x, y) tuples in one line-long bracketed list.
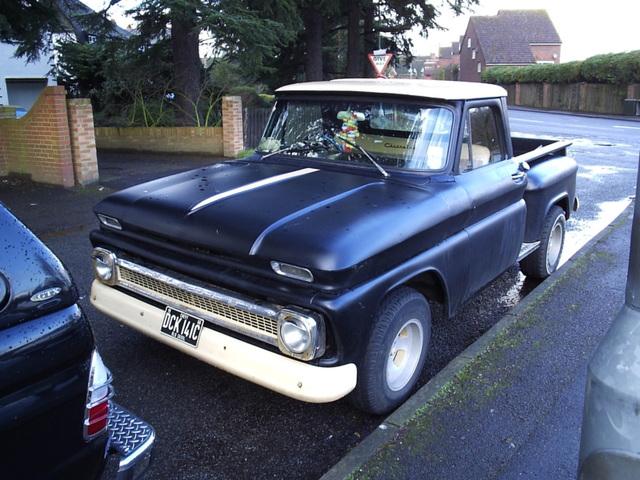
[(391, 425)]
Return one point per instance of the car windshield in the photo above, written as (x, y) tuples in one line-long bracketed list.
[(392, 134)]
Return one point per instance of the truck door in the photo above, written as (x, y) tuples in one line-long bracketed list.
[(495, 186)]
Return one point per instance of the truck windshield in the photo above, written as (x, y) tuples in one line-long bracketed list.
[(396, 135)]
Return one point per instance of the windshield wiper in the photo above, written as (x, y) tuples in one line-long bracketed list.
[(310, 146), (322, 142), (294, 147), (366, 154)]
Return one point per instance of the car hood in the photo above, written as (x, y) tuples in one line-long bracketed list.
[(306, 216), (33, 282)]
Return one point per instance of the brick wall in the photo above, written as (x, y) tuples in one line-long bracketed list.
[(55, 142), (226, 141), (42, 144), (545, 53), (199, 140)]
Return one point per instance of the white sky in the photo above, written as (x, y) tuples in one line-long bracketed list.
[(586, 27)]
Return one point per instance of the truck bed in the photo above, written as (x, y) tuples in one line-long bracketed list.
[(533, 149)]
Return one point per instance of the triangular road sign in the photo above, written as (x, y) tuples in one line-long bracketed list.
[(380, 62)]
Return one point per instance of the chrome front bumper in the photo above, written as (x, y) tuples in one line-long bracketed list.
[(132, 441)]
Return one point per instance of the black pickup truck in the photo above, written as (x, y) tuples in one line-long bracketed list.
[(57, 417), (308, 267)]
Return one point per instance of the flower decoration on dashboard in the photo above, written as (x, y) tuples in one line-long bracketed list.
[(349, 132)]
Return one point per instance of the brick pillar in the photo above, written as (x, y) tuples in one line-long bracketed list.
[(5, 112), (4, 166), (55, 166), (83, 141), (232, 134)]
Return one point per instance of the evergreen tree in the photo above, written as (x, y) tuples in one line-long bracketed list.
[(267, 42), (238, 32), (30, 25)]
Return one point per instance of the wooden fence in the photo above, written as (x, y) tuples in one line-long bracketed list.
[(578, 97)]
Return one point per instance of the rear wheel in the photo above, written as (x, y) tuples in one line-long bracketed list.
[(396, 352), (544, 261)]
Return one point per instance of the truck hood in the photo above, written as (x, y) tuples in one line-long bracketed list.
[(309, 217)]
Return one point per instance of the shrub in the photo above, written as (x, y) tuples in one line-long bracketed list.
[(566, 73), (611, 68), (250, 97)]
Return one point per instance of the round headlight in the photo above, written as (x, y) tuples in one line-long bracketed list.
[(301, 334), (295, 337), (103, 265)]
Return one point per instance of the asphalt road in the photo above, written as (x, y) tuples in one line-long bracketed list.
[(212, 425)]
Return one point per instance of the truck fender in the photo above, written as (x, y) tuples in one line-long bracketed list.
[(431, 273), (550, 183)]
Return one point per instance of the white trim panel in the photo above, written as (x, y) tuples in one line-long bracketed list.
[(274, 371)]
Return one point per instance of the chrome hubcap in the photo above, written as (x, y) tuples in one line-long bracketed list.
[(555, 245), (404, 355)]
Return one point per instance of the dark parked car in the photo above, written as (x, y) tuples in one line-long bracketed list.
[(57, 419)]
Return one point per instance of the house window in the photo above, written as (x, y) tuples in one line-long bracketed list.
[(469, 42), (479, 67), (473, 54)]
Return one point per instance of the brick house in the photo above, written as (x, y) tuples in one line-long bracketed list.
[(510, 38), (449, 55), (449, 61)]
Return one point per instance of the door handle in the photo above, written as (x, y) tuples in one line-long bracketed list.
[(518, 176)]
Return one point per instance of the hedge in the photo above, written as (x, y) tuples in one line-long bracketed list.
[(611, 68)]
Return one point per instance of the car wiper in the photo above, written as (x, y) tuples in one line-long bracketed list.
[(294, 147), (366, 154), (320, 142)]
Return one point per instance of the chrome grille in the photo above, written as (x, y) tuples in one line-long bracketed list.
[(235, 312)]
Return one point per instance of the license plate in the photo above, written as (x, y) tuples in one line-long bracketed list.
[(182, 326)]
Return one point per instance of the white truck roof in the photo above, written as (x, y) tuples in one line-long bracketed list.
[(438, 89)]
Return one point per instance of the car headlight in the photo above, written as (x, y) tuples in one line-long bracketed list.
[(104, 265), (301, 334)]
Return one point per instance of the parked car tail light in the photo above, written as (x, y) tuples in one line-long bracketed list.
[(104, 263), (301, 335), (99, 393)]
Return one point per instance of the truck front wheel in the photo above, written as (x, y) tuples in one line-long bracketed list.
[(544, 261), (396, 352)]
